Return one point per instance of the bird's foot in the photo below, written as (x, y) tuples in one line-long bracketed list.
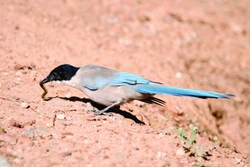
[(103, 113), (100, 112)]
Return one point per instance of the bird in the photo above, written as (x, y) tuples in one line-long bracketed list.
[(111, 88)]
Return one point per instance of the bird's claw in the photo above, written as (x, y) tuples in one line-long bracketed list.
[(100, 112), (103, 113)]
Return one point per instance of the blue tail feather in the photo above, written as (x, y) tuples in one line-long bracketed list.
[(161, 89)]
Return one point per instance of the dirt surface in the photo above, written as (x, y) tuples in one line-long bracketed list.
[(193, 44)]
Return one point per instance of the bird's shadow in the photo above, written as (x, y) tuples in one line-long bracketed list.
[(99, 107)]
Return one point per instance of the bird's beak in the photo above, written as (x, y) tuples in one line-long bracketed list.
[(45, 80)]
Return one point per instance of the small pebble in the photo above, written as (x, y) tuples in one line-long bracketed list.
[(65, 154), (19, 73), (60, 116), (24, 105), (49, 125), (15, 83), (161, 154), (237, 160), (18, 67), (180, 152), (178, 75)]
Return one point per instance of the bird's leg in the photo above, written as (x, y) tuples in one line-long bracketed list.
[(107, 108)]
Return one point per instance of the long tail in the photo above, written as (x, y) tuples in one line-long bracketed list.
[(161, 89)]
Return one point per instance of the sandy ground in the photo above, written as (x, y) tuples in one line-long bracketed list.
[(194, 44)]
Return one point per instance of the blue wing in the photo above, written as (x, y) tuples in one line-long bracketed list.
[(123, 78), (96, 77)]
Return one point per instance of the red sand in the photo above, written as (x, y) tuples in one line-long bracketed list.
[(193, 44)]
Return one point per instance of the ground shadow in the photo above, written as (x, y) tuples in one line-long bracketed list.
[(99, 107)]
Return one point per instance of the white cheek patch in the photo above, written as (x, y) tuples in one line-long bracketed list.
[(63, 82), (66, 83), (58, 82), (69, 83), (72, 82)]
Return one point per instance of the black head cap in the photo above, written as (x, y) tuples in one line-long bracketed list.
[(61, 73)]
